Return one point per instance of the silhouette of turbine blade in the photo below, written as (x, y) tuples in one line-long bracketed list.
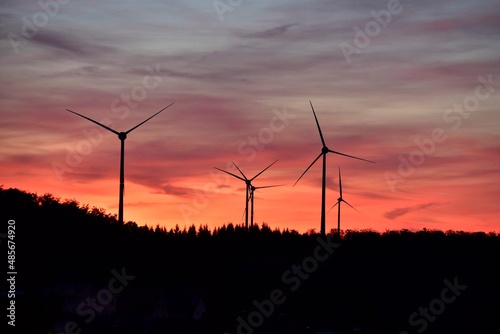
[(244, 177), (250, 196), (340, 184), (276, 185), (307, 169), (333, 206), (248, 201), (90, 119), (236, 176), (317, 123), (350, 156), (263, 170), (138, 125), (350, 205)]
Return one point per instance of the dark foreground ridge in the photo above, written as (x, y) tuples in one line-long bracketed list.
[(80, 271)]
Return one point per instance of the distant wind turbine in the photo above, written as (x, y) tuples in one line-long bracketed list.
[(122, 136), (324, 151), (339, 200), (252, 190), (248, 183)]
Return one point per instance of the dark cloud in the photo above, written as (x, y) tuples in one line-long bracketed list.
[(74, 44), (271, 32), (396, 213), (168, 189)]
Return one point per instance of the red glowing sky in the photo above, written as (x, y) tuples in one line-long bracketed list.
[(418, 94)]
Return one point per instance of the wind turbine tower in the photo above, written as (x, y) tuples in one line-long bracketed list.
[(252, 190), (324, 151), (248, 183), (339, 200), (122, 136)]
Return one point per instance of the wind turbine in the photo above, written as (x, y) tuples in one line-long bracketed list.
[(324, 151), (248, 183), (339, 200), (122, 136), (252, 190)]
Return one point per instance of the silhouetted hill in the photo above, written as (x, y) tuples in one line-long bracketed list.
[(78, 269)]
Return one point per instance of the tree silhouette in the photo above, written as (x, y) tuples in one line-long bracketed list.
[(373, 281)]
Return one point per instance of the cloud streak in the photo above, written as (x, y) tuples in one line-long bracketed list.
[(399, 212)]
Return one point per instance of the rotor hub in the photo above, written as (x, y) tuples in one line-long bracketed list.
[(325, 150), (122, 136)]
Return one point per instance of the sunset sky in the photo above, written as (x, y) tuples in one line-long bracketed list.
[(412, 85)]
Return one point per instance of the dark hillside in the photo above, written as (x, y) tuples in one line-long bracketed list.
[(78, 269)]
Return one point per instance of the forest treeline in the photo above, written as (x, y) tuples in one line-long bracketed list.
[(198, 280)]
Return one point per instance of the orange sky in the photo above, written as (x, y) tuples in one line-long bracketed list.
[(420, 98)]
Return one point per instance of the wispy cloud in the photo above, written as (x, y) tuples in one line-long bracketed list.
[(270, 33), (73, 44), (398, 212)]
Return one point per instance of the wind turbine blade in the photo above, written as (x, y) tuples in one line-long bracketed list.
[(350, 205), (276, 185), (317, 123), (138, 125), (350, 156), (333, 206), (307, 169), (248, 201), (236, 176), (90, 119), (263, 170), (244, 177), (340, 184)]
